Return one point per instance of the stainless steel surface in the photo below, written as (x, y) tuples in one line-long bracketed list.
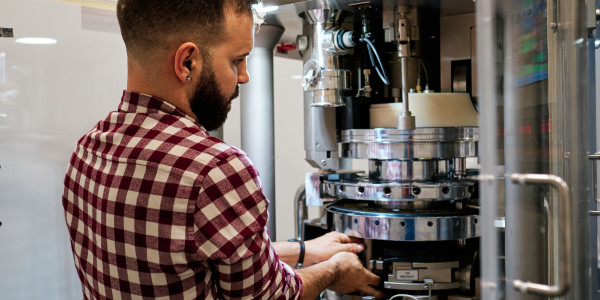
[(421, 143), (415, 170), (406, 121), (257, 116), (396, 191), (564, 240), (322, 77), (320, 138), (420, 272), (414, 286), (389, 225)]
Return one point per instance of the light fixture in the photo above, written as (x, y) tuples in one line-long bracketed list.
[(36, 41)]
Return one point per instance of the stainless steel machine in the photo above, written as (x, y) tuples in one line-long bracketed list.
[(441, 201)]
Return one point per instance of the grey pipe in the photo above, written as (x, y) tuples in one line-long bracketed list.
[(257, 116)]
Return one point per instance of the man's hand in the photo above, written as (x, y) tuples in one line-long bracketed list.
[(351, 276), (342, 273), (326, 246)]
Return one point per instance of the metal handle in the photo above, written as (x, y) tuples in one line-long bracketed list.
[(564, 244), (553, 15), (595, 156)]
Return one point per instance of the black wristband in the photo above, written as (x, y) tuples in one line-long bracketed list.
[(302, 250), (301, 257)]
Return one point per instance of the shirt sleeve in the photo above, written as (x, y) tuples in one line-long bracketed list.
[(231, 218)]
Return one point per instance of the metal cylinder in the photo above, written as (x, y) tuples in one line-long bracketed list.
[(322, 78), (257, 115)]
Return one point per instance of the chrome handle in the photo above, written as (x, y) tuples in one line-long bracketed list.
[(595, 156), (564, 244), (553, 15)]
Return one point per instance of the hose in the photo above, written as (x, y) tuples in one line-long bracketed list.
[(374, 54)]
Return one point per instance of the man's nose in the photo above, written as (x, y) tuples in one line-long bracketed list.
[(243, 76)]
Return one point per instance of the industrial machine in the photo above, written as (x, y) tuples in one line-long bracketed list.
[(428, 119)]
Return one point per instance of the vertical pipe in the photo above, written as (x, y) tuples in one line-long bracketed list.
[(486, 39), (257, 114)]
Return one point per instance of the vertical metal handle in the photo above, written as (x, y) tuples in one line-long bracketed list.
[(553, 15), (595, 157), (564, 244)]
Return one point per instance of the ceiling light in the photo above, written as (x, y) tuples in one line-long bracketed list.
[(36, 41)]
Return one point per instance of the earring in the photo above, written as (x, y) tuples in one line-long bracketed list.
[(188, 78)]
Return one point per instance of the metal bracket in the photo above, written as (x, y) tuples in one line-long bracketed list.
[(6, 32)]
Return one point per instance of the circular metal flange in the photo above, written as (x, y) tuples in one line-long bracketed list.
[(398, 191), (421, 143), (399, 226), (416, 170)]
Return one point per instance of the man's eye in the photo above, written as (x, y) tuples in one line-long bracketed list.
[(238, 61)]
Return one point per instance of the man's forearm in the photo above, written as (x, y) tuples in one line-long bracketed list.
[(316, 278), (288, 252)]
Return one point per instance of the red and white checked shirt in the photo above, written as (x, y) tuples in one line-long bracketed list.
[(156, 208)]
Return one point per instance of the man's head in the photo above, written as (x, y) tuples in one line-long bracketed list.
[(194, 50)]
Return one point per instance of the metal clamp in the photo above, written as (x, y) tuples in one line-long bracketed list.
[(564, 245)]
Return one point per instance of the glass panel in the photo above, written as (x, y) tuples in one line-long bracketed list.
[(49, 96), (536, 111)]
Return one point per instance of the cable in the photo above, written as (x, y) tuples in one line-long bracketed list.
[(422, 64), (404, 296), (372, 50)]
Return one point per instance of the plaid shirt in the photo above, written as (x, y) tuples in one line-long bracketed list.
[(156, 208)]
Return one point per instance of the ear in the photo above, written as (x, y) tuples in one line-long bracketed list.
[(187, 58)]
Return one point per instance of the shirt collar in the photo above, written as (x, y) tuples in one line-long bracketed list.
[(143, 104)]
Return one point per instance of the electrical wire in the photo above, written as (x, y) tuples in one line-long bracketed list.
[(372, 54), (422, 64)]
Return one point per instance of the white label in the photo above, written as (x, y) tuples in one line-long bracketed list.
[(407, 275)]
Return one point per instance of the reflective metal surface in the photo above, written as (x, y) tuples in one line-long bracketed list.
[(415, 286), (421, 143), (415, 170), (396, 191), (393, 225)]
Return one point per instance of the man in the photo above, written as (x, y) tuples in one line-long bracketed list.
[(156, 208)]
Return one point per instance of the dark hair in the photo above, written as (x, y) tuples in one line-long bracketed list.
[(150, 27)]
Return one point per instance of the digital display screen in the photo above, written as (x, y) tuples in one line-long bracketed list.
[(531, 46)]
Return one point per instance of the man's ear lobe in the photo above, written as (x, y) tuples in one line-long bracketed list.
[(187, 61)]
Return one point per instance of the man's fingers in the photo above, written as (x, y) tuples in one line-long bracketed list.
[(348, 239), (371, 291), (373, 279), (352, 247)]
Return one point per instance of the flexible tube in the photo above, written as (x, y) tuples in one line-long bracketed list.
[(373, 52)]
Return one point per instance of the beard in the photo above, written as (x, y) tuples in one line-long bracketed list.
[(208, 103)]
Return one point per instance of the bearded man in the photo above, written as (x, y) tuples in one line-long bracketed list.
[(155, 206)]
